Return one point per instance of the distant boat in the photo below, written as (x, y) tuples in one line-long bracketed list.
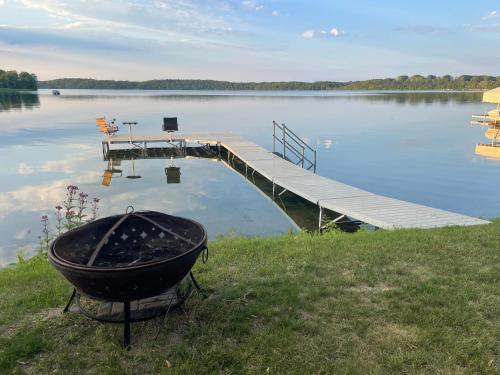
[(56, 92), (492, 120)]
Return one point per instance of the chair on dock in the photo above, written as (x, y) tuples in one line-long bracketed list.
[(170, 125), (106, 128)]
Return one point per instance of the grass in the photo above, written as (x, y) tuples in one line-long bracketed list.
[(401, 302)]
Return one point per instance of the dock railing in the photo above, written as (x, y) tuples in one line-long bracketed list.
[(291, 143)]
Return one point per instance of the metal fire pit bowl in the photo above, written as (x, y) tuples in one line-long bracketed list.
[(128, 257)]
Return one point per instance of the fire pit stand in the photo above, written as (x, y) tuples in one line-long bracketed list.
[(135, 311), (134, 267)]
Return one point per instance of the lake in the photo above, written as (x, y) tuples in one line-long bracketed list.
[(413, 146)]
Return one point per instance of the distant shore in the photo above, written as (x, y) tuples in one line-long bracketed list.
[(406, 83)]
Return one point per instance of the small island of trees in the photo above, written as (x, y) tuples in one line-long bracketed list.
[(12, 80)]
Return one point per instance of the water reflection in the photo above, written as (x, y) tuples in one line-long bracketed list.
[(409, 97), (111, 171), (422, 97), (18, 101), (302, 213), (172, 172)]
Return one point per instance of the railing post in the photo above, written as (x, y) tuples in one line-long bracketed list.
[(284, 141), (274, 137), (314, 161), (320, 219), (303, 156)]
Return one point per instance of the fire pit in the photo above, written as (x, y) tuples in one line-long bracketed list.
[(129, 257)]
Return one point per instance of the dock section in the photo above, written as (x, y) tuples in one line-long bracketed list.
[(348, 201)]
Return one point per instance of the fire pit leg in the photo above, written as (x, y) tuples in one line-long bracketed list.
[(126, 325), (66, 308), (196, 285), (168, 310)]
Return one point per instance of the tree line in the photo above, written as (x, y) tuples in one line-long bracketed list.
[(430, 82), (415, 82), (184, 84), (12, 80)]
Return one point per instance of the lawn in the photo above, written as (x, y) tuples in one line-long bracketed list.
[(405, 301)]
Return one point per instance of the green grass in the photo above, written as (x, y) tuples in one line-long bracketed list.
[(20, 346), (401, 302)]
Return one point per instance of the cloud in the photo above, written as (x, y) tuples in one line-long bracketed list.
[(61, 166), (39, 198), (327, 144), (21, 235), (130, 26), (252, 5), (175, 18), (160, 4), (333, 33), (248, 4), (52, 7), (308, 34), (69, 40), (66, 164), (275, 13), (492, 14), (2, 2), (24, 168), (72, 25)]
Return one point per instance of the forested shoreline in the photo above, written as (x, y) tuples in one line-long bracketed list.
[(17, 81), (415, 82)]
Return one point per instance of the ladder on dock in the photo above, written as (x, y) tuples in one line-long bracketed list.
[(304, 155)]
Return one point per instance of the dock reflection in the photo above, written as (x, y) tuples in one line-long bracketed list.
[(302, 213)]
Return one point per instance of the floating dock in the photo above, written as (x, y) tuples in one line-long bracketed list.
[(345, 200)]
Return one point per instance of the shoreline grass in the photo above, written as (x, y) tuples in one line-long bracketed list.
[(405, 301)]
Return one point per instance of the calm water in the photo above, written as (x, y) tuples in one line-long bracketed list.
[(413, 146)]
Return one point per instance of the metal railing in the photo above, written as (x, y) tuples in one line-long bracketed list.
[(296, 147)]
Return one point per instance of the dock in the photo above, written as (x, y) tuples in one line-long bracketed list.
[(346, 201)]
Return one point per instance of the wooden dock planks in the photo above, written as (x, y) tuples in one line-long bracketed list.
[(377, 210)]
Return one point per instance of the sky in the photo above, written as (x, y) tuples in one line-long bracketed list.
[(249, 40)]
